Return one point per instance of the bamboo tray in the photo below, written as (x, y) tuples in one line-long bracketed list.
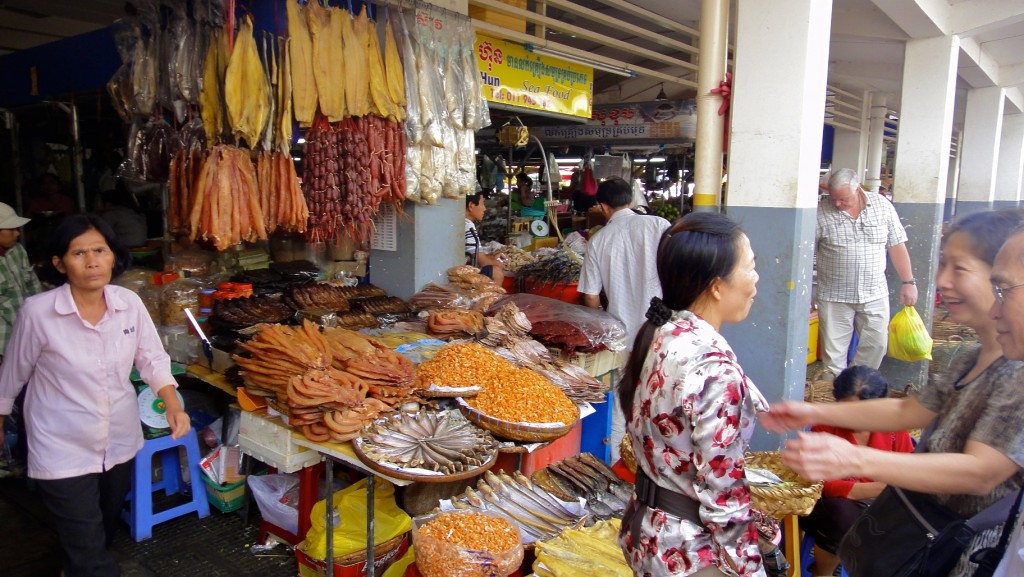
[(529, 432), (796, 498)]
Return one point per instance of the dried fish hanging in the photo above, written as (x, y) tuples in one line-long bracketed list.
[(445, 106)]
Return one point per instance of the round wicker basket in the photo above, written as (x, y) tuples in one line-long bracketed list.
[(797, 497), (378, 550), (525, 432), (626, 453), (818, 392)]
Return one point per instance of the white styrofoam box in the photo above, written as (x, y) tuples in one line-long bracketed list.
[(267, 439), (597, 364)]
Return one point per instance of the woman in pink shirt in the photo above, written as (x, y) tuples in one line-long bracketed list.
[(75, 346)]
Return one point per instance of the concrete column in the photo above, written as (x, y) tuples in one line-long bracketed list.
[(922, 163), (1011, 162), (775, 198), (429, 239), (953, 179), (982, 128), (714, 42), (847, 151), (429, 243), (872, 178)]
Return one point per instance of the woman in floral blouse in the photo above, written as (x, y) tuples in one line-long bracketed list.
[(691, 410)]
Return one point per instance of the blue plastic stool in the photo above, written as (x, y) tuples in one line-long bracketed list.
[(140, 516), (807, 557)]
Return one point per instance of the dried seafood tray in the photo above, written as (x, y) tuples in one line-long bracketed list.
[(362, 291), (426, 446), (539, 514), (380, 305), (245, 312)]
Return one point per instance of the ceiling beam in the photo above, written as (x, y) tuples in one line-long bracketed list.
[(581, 32), (977, 57), (918, 18), (974, 17), (662, 20), (615, 22), (1014, 101), (1011, 75)]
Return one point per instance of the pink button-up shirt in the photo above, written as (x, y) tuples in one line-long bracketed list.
[(81, 411)]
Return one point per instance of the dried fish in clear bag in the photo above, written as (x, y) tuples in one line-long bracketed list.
[(193, 135), (454, 84), (144, 88), (120, 90), (477, 113), (131, 166), (431, 92), (413, 126), (157, 143)]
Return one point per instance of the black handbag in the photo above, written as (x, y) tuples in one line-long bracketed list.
[(988, 558), (908, 534)]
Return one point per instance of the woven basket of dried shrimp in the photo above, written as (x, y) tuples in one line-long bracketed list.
[(795, 496)]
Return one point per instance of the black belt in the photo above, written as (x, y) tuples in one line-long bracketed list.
[(672, 502)]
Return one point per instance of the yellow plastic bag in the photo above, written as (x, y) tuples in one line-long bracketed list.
[(350, 534), (908, 337)]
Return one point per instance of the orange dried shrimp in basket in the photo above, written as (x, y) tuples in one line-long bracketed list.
[(508, 393)]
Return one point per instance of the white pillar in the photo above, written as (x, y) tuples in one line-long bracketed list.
[(714, 42), (775, 198), (872, 178), (1011, 162), (922, 163), (953, 178), (982, 126), (847, 150)]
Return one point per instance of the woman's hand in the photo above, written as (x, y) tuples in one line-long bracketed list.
[(822, 456), (180, 423), (177, 418), (788, 416)]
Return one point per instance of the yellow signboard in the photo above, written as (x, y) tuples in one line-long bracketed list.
[(511, 75)]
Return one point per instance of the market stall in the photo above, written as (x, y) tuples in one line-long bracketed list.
[(467, 407)]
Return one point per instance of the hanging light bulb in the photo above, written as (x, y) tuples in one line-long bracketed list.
[(661, 94)]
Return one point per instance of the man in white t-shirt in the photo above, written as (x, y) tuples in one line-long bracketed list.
[(621, 261)]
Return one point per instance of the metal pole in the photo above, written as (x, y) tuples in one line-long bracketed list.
[(370, 482), (329, 518), (714, 36), (76, 151), (12, 126)]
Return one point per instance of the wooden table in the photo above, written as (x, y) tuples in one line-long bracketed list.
[(212, 378)]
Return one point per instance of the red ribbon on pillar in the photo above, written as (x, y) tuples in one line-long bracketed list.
[(725, 91)]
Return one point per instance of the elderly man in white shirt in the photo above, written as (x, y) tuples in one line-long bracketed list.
[(621, 261)]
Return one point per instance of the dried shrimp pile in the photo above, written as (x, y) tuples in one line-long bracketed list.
[(508, 393), (507, 333), (444, 442), (466, 544)]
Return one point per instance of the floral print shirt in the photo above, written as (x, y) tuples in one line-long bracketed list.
[(693, 413)]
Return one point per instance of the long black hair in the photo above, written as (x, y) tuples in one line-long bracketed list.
[(71, 228), (693, 252)]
